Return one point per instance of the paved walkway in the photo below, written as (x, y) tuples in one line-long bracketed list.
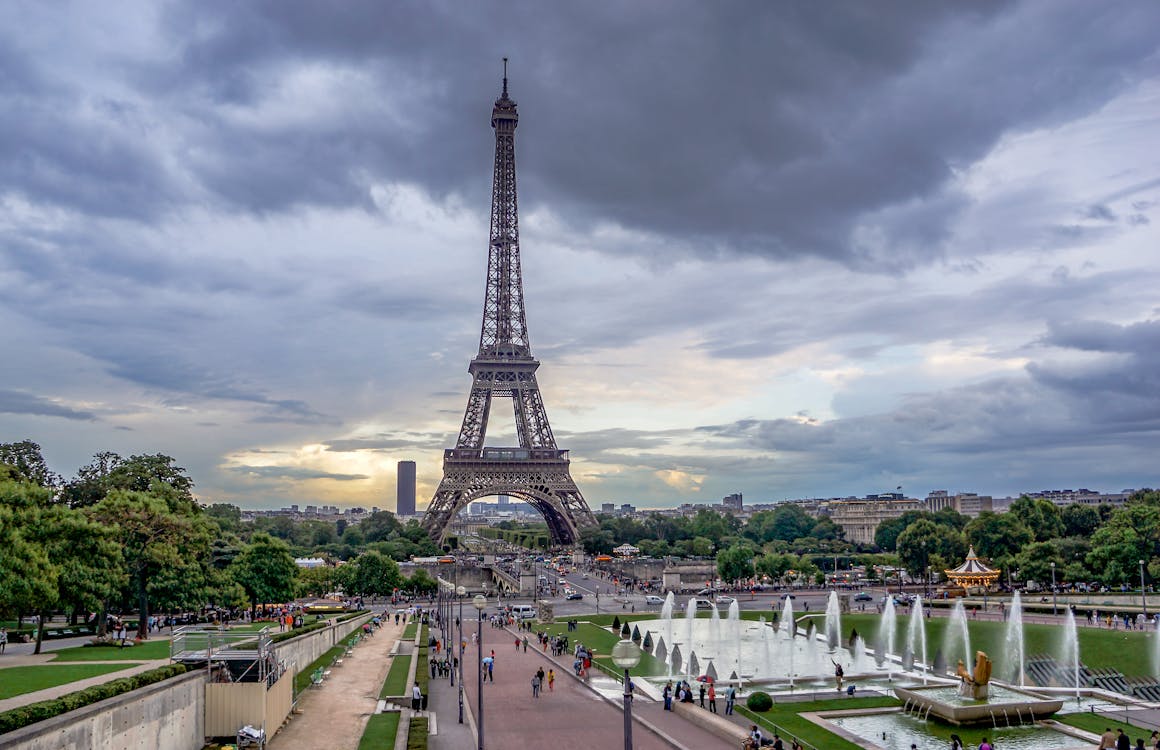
[(334, 714)]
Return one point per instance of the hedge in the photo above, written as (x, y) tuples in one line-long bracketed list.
[(417, 733), (22, 716)]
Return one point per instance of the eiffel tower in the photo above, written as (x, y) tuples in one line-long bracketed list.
[(536, 471)]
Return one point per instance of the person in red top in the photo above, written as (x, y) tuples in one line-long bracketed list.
[(712, 698)]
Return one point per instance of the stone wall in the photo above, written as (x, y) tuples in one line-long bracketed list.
[(167, 715)]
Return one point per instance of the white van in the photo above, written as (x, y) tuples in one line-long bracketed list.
[(524, 612)]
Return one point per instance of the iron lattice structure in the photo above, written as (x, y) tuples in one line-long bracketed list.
[(537, 471)]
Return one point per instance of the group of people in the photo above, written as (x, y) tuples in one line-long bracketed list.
[(682, 692), (758, 739), (1121, 741), (582, 660), (539, 679)]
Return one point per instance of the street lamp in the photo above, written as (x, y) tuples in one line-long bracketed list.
[(927, 582), (460, 593), (479, 602), (1054, 608), (626, 655), (1143, 591)]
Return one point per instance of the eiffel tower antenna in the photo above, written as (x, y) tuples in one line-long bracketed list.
[(537, 471)]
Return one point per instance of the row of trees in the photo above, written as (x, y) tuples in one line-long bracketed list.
[(127, 535)]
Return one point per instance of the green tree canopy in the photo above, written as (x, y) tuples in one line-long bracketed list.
[(998, 537), (265, 569), (735, 563), (1079, 520), (374, 575), (1043, 517), (29, 464)]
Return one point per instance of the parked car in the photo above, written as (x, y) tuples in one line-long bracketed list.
[(703, 604), (574, 596), (863, 596), (725, 601), (653, 599)]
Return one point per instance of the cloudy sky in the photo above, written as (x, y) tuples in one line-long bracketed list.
[(786, 249)]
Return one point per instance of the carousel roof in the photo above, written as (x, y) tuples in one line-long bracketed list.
[(972, 567)]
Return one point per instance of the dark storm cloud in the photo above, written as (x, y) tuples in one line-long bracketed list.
[(774, 129), (293, 473), (20, 402)]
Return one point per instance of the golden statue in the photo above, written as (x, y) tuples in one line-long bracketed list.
[(974, 684)]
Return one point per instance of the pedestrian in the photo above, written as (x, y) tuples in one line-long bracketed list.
[(1122, 741), (712, 698), (730, 698), (551, 679), (416, 697), (518, 645), (667, 694), (702, 695), (956, 742), (986, 745), (536, 685), (777, 743), (1154, 742), (1107, 740), (3, 639)]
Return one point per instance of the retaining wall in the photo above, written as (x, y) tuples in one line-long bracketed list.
[(167, 715)]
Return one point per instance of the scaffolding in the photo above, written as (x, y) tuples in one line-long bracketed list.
[(228, 655)]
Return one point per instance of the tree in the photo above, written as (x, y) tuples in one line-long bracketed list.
[(925, 538), (144, 473), (998, 536), (775, 566), (790, 521), (1132, 534), (735, 563), (265, 570), (25, 457), (380, 526), (1035, 562), (1041, 516), (1079, 520), (155, 541), (27, 576), (375, 575), (596, 541), (712, 525), (420, 582), (886, 535)]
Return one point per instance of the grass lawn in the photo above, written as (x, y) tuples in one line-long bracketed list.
[(600, 640), (20, 680), (1097, 724), (380, 731), (783, 718), (396, 682), (409, 631), (151, 649), (302, 679)]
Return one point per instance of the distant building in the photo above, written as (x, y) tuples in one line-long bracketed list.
[(733, 501), (608, 508), (967, 503), (309, 562), (860, 518), (405, 489), (1081, 496)]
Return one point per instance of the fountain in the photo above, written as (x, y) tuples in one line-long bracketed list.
[(715, 629), (957, 638), (694, 665), (787, 622), (667, 619), (735, 630), (1070, 648), (833, 622), (887, 630), (1013, 655), (916, 636), (974, 701)]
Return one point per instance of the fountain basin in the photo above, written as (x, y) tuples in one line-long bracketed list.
[(1003, 705)]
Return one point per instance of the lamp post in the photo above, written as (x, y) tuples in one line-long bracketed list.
[(1054, 608), (927, 591), (626, 655), (479, 602), (1143, 591), (460, 592)]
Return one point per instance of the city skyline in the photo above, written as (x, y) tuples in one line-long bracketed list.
[(777, 250)]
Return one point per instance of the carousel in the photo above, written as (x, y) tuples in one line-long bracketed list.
[(973, 574)]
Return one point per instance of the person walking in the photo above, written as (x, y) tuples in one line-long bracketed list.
[(986, 745), (712, 698), (3, 639), (702, 695), (536, 685), (1122, 741), (416, 697), (1107, 740), (730, 698), (551, 679), (667, 694)]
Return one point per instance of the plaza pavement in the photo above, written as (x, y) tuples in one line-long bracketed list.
[(580, 714)]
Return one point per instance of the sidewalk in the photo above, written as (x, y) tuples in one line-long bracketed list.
[(443, 701)]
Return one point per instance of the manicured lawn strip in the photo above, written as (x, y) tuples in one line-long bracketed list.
[(409, 631), (784, 719), (396, 682), (145, 651), (20, 680), (423, 669), (302, 679), (1090, 722), (380, 731), (417, 733)]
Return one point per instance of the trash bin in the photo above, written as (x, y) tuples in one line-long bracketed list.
[(424, 707)]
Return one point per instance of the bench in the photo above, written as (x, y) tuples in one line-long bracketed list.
[(316, 677), (735, 734)]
